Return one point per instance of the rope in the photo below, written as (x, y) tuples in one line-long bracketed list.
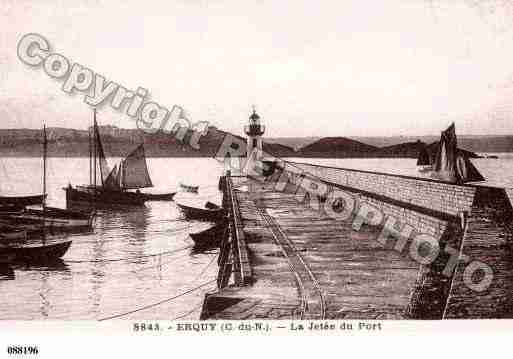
[(128, 259), (158, 265), (189, 312), (206, 267), (201, 196), (159, 303)]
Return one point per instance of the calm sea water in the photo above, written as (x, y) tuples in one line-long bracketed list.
[(108, 272), (498, 172)]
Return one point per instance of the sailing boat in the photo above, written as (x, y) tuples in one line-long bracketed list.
[(53, 219), (424, 161), (23, 247), (451, 164), (112, 187)]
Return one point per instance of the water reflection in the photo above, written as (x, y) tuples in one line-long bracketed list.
[(56, 265), (44, 293), (97, 275), (6, 272), (132, 220), (130, 225), (116, 267)]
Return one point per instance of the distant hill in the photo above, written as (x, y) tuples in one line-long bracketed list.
[(278, 150), (412, 150), (485, 143), (294, 142), (333, 147), (408, 149), (116, 142)]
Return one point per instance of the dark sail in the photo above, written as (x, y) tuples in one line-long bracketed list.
[(445, 160), (135, 171), (112, 180), (102, 161), (452, 165), (423, 159), (466, 171), (119, 174)]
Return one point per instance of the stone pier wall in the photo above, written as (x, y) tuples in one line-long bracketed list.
[(444, 198), (474, 220)]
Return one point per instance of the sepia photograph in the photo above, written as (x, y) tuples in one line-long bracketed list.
[(248, 167)]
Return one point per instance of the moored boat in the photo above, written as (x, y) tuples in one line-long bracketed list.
[(209, 238), (10, 233), (190, 189), (15, 242), (54, 219), (11, 209), (210, 205), (35, 252), (160, 196), (47, 218), (97, 197), (452, 164), (424, 162), (113, 187), (21, 201), (202, 214), (6, 258)]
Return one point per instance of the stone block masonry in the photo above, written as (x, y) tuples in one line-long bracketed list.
[(358, 276), (438, 209), (444, 198)]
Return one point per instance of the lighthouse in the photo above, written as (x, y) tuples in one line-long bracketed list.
[(254, 130)]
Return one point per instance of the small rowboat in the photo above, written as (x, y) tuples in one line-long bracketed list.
[(160, 197), (203, 214), (36, 251), (6, 271), (209, 238), (21, 201), (10, 233), (53, 219), (210, 205), (11, 209), (423, 169), (187, 188), (5, 258), (20, 249)]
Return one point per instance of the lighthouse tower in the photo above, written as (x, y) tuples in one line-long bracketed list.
[(254, 130)]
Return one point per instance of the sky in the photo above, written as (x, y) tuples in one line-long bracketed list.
[(311, 68)]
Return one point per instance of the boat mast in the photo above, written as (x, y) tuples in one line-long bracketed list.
[(95, 136), (90, 159), (45, 149), (94, 147)]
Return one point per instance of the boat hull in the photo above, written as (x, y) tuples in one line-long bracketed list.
[(88, 197), (160, 197), (39, 252), (21, 201), (424, 169), (190, 189), (10, 233), (52, 220), (210, 238), (202, 214)]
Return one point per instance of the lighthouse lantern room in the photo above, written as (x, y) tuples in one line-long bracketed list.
[(254, 130)]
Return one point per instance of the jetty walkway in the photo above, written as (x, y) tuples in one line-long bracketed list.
[(283, 258), (303, 265)]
